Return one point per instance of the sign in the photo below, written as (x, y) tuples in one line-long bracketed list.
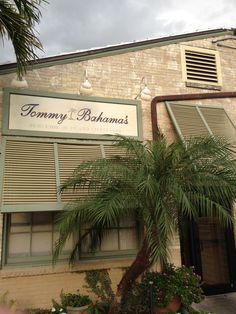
[(71, 116)]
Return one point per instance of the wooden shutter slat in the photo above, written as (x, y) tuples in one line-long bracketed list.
[(70, 156), (219, 123), (111, 151), (188, 120), (29, 173)]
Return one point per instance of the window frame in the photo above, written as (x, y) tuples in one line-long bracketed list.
[(30, 259), (107, 150), (47, 259), (116, 253)]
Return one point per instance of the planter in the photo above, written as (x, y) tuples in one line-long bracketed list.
[(173, 306), (77, 310)]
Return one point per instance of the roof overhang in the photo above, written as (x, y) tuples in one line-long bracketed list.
[(117, 49)]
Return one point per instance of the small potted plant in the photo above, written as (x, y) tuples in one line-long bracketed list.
[(75, 303), (172, 289)]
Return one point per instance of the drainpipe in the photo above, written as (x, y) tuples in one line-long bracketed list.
[(159, 99)]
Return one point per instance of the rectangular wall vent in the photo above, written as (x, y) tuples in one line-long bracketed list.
[(201, 66)]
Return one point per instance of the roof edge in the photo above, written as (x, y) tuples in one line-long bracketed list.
[(116, 49)]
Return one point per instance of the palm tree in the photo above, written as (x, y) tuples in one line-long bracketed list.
[(17, 20), (159, 183)]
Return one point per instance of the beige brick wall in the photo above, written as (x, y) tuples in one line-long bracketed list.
[(115, 76), (37, 286)]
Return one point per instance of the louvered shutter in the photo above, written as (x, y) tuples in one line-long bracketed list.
[(219, 123), (187, 120), (29, 173), (69, 157), (111, 151), (193, 121), (33, 172)]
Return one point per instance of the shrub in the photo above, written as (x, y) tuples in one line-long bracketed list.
[(74, 299), (163, 286), (174, 281)]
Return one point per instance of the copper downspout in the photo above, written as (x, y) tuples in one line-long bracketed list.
[(158, 99)]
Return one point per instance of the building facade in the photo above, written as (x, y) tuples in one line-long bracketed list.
[(191, 79)]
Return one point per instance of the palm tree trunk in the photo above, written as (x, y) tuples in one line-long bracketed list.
[(139, 265)]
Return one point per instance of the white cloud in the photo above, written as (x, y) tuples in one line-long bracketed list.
[(78, 24), (197, 15)]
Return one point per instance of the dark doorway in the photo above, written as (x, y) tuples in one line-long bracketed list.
[(210, 248)]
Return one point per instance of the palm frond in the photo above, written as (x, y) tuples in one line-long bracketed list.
[(17, 20), (157, 180)]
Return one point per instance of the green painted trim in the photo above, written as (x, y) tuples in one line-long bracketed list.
[(65, 135), (69, 96), (23, 262), (102, 151), (2, 169), (4, 241), (32, 207), (116, 50), (108, 254), (203, 120), (6, 109), (57, 140), (57, 171), (230, 119), (12, 263), (176, 125), (5, 114), (31, 229), (139, 121)]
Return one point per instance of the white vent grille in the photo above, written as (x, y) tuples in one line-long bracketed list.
[(201, 66)]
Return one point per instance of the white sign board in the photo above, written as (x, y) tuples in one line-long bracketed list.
[(49, 114)]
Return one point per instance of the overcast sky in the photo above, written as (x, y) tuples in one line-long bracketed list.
[(70, 25)]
